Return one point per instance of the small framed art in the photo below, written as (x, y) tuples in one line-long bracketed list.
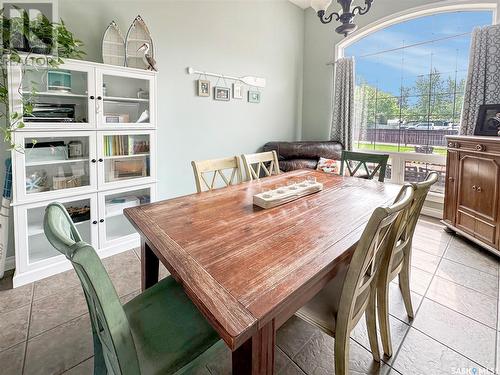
[(488, 120), (222, 93), (203, 87), (253, 96), (237, 91)]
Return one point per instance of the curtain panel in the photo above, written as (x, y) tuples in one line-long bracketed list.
[(343, 103), (483, 78)]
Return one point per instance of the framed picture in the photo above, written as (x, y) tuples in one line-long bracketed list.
[(203, 87), (237, 91), (253, 96), (488, 120), (222, 93)]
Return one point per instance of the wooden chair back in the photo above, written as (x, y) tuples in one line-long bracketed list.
[(361, 278), (407, 223), (227, 169), (355, 160), (113, 342), (265, 163)]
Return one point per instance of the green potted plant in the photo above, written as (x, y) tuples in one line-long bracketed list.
[(22, 38)]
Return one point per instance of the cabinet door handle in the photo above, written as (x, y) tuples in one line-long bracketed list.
[(92, 97), (94, 222), (474, 187), (94, 161), (99, 98), (101, 221), (100, 160)]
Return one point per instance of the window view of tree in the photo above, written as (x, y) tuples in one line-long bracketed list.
[(410, 83)]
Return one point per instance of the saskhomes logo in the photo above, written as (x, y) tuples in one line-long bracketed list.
[(470, 371)]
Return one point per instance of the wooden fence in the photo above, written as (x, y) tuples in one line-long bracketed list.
[(407, 137)]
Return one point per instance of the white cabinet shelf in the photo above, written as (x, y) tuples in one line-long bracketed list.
[(122, 99), (56, 94), (74, 156), (51, 162)]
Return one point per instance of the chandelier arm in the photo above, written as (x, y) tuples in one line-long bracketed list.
[(325, 20), (362, 10)]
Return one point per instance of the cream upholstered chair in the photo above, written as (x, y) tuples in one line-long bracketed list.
[(266, 162), (397, 261), (337, 308), (217, 167)]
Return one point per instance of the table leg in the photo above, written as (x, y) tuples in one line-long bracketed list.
[(256, 356), (149, 266)]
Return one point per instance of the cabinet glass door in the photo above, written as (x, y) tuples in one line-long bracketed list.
[(63, 97), (126, 158), (81, 212), (54, 164), (115, 227), (126, 100)]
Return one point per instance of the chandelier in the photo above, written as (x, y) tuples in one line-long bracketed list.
[(347, 16)]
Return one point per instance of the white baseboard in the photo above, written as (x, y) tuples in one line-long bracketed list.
[(432, 212)]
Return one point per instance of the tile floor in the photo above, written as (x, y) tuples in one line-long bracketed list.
[(44, 327)]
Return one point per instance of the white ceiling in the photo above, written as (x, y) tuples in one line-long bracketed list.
[(301, 3)]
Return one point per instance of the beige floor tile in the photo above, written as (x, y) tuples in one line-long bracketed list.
[(420, 354), (469, 254), (464, 335), (419, 280), (60, 349), (424, 261), (124, 269), (54, 284), (431, 239), (14, 327), (470, 277), (11, 299), (398, 332), (396, 305), (56, 309), (11, 360), (464, 300), (293, 335), (317, 357), (84, 368)]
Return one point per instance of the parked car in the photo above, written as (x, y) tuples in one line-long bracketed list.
[(422, 126)]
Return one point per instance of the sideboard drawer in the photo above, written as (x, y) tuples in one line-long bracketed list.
[(477, 146)]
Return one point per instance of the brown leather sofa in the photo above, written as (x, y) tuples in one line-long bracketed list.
[(304, 154)]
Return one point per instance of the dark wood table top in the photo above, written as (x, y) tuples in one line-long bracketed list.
[(242, 265)]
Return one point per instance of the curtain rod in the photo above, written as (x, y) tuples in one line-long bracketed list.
[(408, 46)]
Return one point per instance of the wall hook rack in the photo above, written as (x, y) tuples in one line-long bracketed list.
[(248, 80)]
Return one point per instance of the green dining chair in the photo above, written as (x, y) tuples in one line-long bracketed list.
[(397, 261), (159, 331), (355, 160)]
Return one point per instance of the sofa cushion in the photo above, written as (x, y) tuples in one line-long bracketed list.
[(306, 149), (292, 165)]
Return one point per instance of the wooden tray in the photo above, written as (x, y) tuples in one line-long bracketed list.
[(286, 194)]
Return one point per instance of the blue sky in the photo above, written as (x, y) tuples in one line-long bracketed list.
[(389, 70)]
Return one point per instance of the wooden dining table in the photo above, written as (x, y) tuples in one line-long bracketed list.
[(248, 269)]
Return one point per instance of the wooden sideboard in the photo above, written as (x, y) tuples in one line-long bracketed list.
[(471, 206)]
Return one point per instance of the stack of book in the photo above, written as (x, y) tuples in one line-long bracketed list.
[(118, 145)]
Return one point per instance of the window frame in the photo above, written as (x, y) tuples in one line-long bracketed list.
[(398, 159)]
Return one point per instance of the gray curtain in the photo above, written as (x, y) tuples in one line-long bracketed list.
[(483, 78), (343, 103)]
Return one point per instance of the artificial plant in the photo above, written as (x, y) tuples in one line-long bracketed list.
[(21, 40)]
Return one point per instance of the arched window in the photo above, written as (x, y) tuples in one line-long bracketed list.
[(410, 80)]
